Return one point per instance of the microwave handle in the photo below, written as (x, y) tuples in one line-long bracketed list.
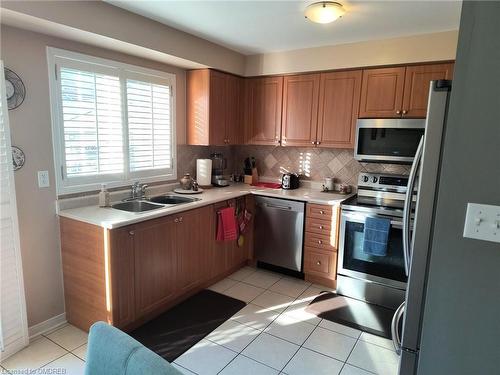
[(407, 206)]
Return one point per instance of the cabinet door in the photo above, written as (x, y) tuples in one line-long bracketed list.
[(197, 106), (416, 92), (193, 248), (122, 275), (265, 97), (217, 108), (300, 109), (338, 108), (382, 92), (234, 122), (155, 264)]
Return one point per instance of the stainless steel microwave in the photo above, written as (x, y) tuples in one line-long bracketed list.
[(388, 140)]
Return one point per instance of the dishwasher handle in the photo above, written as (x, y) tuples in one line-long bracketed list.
[(278, 207)]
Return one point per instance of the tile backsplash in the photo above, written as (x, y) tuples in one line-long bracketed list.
[(312, 163)]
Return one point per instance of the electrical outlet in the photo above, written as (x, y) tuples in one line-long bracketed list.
[(43, 179), (482, 222)]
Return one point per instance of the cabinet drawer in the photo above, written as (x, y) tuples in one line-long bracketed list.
[(320, 241), (322, 227), (319, 211), (320, 263)]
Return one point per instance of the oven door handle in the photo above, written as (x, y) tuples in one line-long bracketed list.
[(407, 206)]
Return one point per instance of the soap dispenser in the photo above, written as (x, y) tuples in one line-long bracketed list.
[(104, 200)]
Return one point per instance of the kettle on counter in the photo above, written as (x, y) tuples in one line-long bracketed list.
[(290, 181)]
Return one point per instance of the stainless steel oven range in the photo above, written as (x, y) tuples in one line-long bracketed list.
[(381, 278)]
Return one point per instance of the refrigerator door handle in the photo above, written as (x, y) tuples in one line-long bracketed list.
[(396, 339), (407, 206)]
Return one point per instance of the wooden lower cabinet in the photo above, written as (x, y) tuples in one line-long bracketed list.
[(320, 244), (128, 275)]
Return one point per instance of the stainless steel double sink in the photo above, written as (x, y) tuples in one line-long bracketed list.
[(154, 203)]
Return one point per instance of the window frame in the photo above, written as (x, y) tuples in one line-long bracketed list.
[(58, 57)]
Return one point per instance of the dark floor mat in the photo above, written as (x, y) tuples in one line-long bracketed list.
[(353, 313), (178, 329)]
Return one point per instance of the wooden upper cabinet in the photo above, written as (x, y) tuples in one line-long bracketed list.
[(416, 91), (213, 105), (382, 92), (338, 108), (300, 109), (264, 97)]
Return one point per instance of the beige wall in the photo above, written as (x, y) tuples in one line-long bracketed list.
[(25, 53), (420, 48)]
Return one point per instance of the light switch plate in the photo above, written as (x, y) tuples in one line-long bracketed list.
[(482, 222), (43, 179)]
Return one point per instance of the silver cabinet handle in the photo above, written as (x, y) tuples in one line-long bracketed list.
[(407, 205), (318, 263), (176, 220), (320, 242), (405, 111), (180, 219), (320, 226), (322, 212), (398, 112), (131, 233), (396, 340)]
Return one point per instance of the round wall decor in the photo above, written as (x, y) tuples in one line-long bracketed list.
[(18, 158), (15, 90)]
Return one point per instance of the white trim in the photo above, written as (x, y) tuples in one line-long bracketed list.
[(55, 57), (46, 326)]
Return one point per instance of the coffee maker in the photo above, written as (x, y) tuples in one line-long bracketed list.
[(219, 164)]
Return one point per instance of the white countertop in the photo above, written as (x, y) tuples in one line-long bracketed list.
[(111, 218)]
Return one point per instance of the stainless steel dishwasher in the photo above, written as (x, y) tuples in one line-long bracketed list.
[(279, 232)]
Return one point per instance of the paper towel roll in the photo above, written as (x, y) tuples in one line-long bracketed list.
[(204, 172)]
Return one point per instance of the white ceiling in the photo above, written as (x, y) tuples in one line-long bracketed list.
[(252, 27)]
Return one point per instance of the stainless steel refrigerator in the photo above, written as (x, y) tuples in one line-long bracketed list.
[(417, 227)]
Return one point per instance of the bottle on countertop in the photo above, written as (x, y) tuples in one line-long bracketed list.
[(104, 199)]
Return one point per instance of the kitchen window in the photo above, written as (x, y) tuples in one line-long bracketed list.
[(113, 123)]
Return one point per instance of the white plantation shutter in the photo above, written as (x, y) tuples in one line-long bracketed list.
[(13, 324), (92, 119), (113, 123), (149, 126)]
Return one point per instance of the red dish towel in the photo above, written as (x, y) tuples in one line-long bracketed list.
[(227, 229)]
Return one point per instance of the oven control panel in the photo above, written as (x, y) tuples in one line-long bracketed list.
[(382, 181)]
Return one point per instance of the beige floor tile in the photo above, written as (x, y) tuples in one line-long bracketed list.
[(69, 337), (287, 328), (242, 273), (37, 354), (271, 351), (183, 370), (243, 292), (297, 310), (377, 340), (351, 370), (255, 316), (223, 285), (340, 328), (242, 365), (330, 343), (306, 361), (309, 294), (206, 358), (233, 335), (273, 300), (81, 352), (262, 279), (374, 358), (68, 364), (290, 287)]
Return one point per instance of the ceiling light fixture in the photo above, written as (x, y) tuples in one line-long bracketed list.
[(324, 11)]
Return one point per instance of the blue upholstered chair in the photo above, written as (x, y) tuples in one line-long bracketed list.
[(113, 352)]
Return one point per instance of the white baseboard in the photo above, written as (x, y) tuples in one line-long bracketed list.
[(46, 326)]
